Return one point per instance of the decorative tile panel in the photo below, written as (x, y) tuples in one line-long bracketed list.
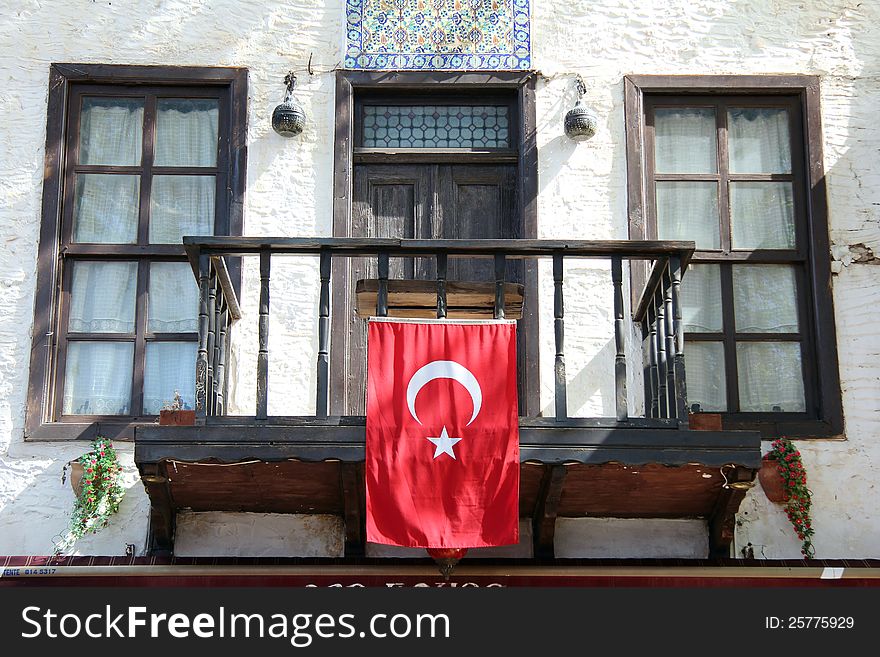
[(438, 34), (436, 126)]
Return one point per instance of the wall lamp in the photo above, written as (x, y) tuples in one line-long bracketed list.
[(289, 118), (581, 122)]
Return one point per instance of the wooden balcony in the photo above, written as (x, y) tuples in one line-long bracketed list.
[(654, 466)]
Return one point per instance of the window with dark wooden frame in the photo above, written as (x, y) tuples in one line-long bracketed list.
[(141, 165), (729, 170)]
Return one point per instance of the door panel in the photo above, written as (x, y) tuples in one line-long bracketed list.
[(476, 202), (421, 201), (388, 201)]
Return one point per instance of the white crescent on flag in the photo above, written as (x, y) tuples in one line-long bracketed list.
[(444, 369)]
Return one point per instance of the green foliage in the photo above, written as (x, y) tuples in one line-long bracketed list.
[(101, 493), (798, 497)]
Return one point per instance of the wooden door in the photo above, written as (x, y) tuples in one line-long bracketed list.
[(419, 201)]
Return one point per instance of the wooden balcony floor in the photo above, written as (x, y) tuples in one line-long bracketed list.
[(586, 468)]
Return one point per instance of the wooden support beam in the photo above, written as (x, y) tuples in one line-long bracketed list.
[(353, 498), (544, 519), (160, 534), (722, 521)]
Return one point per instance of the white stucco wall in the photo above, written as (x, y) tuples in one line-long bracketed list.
[(582, 195)]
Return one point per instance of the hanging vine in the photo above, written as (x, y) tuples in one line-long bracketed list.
[(100, 494)]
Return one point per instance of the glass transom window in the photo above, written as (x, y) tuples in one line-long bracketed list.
[(436, 126)]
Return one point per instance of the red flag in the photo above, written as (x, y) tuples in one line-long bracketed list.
[(442, 453)]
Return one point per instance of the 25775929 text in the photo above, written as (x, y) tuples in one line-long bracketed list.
[(809, 622)]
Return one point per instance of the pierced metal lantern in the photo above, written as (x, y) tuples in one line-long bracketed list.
[(581, 122), (289, 118), (446, 559)]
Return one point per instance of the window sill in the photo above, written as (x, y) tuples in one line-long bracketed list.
[(122, 430), (774, 427)]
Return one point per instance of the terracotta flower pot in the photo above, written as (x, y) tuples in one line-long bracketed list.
[(76, 475), (771, 481), (180, 418), (705, 421)]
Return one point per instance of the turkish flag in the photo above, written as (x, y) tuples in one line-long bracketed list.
[(442, 452)]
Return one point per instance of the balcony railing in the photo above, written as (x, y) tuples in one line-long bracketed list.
[(658, 312)]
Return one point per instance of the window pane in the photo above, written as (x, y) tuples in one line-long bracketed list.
[(106, 208), (181, 205), (762, 215), (111, 131), (770, 377), (704, 367), (684, 141), (758, 140), (436, 126), (102, 297), (174, 298), (765, 299), (186, 132), (688, 211), (701, 299), (98, 378), (170, 366)]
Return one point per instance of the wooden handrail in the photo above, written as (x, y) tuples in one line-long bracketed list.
[(658, 311)]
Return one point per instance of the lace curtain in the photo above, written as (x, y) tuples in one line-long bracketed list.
[(186, 132), (174, 298), (98, 378), (111, 131), (170, 366), (102, 297)]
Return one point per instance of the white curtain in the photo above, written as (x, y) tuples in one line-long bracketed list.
[(701, 299), (762, 215), (181, 205), (759, 140), (770, 377), (765, 298), (704, 365), (111, 131), (688, 211), (102, 297), (106, 208), (684, 140), (186, 132), (174, 298), (170, 366), (98, 378)]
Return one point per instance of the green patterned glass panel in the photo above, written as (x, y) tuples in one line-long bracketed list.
[(436, 126)]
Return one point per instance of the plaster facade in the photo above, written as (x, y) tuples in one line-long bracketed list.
[(582, 194)]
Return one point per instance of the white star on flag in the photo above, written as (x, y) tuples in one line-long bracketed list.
[(444, 444)]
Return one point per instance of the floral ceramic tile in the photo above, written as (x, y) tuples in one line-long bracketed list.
[(438, 34)]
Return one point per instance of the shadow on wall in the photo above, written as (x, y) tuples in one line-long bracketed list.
[(590, 391), (38, 514)]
